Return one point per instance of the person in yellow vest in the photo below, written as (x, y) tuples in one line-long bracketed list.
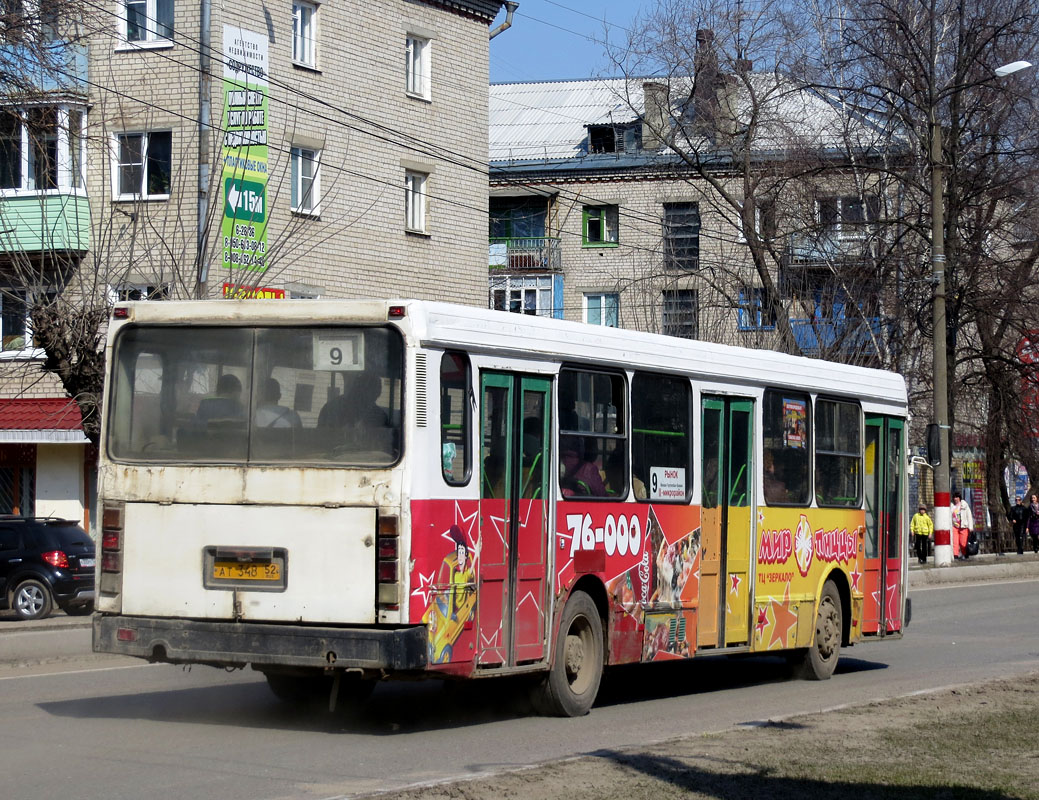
[(922, 527)]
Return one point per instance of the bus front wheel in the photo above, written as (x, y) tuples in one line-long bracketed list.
[(820, 660), (570, 687)]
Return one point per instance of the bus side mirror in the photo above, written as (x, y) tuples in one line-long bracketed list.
[(934, 445)]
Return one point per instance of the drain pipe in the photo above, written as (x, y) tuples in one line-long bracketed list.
[(510, 9)]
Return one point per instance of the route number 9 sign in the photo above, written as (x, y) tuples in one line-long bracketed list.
[(338, 352)]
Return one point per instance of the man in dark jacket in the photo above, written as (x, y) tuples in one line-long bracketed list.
[(1018, 516)]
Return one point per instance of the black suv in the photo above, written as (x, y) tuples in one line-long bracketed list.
[(45, 561)]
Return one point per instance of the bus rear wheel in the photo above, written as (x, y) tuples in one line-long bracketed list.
[(820, 660), (572, 683)]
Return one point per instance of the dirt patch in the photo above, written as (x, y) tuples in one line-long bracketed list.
[(977, 743)]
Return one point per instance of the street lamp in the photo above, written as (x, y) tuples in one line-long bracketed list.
[(942, 480)]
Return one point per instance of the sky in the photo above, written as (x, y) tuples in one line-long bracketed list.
[(559, 39)]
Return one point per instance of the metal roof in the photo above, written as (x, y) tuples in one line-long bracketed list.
[(547, 121), (42, 420)]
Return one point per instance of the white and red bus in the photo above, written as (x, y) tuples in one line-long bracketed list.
[(340, 492)]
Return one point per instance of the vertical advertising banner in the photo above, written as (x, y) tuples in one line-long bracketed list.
[(243, 179)]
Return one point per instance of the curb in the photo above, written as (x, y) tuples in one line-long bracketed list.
[(962, 573)]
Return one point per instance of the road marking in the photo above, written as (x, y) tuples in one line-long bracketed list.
[(75, 672)]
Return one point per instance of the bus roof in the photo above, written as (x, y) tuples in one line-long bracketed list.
[(481, 330)]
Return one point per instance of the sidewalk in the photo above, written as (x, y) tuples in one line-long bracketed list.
[(984, 567)]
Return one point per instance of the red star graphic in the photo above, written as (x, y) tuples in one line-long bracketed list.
[(855, 577), (735, 588), (785, 619), (762, 621), (893, 598)]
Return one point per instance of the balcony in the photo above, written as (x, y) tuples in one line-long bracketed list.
[(842, 336), (532, 253), (809, 251), (44, 222), (58, 67)]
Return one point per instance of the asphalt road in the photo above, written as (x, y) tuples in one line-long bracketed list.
[(94, 727)]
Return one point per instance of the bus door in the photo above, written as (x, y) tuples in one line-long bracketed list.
[(513, 519), (727, 522), (884, 535)]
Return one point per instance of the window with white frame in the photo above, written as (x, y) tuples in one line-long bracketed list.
[(126, 292), (415, 201), (148, 20), (523, 294), (752, 313), (144, 165), (304, 33), (681, 313), (602, 309), (417, 68), (41, 148), (15, 317), (847, 217), (306, 192)]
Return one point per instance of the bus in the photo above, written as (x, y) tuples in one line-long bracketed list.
[(335, 493)]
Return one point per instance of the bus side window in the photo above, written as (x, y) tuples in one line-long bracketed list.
[(786, 444), (661, 441), (455, 418)]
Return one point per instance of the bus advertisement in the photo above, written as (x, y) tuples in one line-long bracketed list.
[(336, 493)]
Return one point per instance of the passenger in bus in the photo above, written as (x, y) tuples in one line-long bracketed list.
[(226, 404), (775, 488), (269, 413), (357, 406), (580, 471), (615, 477)]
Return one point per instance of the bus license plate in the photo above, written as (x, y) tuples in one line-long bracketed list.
[(235, 571)]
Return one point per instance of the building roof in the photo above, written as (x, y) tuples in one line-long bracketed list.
[(488, 9), (40, 420), (549, 119), (547, 122)]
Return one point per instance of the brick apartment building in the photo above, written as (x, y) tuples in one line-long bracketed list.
[(301, 149)]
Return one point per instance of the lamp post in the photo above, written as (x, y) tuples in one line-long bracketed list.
[(943, 548)]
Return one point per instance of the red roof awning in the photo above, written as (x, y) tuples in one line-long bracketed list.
[(41, 420)]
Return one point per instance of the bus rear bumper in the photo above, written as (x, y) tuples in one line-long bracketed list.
[(235, 644)]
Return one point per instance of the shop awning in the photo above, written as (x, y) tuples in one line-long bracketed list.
[(51, 420)]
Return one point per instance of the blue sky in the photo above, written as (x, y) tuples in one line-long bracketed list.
[(556, 39)]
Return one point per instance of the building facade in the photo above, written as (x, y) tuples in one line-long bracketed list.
[(596, 217), (236, 149)]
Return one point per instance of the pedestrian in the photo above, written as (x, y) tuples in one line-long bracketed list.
[(963, 524), (922, 528), (1033, 523), (1018, 518)]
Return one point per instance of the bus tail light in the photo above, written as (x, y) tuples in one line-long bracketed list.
[(111, 537), (387, 565), (111, 560)]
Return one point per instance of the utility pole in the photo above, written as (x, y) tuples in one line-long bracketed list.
[(940, 396), (942, 478)]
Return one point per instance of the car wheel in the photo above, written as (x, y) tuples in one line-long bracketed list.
[(820, 660), (32, 600), (572, 683)]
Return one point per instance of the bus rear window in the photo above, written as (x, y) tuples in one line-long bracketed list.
[(256, 395)]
